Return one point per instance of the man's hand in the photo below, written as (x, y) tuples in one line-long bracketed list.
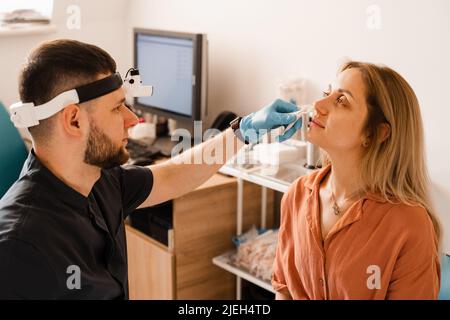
[(279, 113)]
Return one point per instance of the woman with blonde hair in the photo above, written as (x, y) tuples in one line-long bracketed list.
[(362, 227)]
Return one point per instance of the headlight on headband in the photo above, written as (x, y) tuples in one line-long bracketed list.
[(25, 115), (134, 86)]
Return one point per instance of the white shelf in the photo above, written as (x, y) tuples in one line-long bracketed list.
[(224, 261), (7, 31), (248, 176), (280, 181)]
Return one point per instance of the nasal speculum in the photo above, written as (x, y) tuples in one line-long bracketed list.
[(303, 110)]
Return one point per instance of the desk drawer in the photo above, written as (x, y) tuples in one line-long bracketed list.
[(151, 270)]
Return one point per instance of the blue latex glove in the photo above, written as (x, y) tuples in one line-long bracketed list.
[(255, 125)]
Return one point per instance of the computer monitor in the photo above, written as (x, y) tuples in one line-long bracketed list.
[(175, 64)]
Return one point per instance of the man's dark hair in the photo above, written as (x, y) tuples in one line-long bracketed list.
[(57, 66)]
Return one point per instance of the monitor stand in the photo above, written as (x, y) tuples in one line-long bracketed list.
[(165, 145)]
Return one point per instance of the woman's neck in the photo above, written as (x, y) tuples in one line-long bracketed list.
[(345, 178)]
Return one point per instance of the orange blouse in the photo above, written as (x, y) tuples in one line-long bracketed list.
[(376, 250)]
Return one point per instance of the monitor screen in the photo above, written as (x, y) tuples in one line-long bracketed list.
[(166, 63)]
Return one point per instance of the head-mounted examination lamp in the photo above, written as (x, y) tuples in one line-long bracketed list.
[(25, 115)]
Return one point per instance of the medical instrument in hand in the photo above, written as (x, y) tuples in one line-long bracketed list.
[(27, 114), (255, 125), (304, 110), (306, 113)]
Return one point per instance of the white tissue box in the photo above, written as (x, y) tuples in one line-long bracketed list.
[(279, 153)]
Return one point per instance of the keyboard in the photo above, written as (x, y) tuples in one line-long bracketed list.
[(165, 145), (142, 149)]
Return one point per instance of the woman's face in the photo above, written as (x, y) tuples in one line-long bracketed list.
[(340, 115)]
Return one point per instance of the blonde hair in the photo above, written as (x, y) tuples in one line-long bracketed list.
[(394, 168)]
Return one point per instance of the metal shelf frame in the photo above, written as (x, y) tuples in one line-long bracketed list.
[(253, 174)]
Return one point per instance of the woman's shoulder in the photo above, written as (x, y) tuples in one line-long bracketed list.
[(296, 189), (414, 212), (409, 218), (308, 181), (300, 190)]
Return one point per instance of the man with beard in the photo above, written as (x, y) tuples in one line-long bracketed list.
[(62, 232)]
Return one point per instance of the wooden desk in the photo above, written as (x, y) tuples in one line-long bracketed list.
[(204, 222)]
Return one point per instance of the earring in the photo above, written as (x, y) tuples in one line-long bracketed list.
[(365, 144)]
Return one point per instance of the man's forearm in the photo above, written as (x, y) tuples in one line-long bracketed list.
[(188, 170), (196, 165)]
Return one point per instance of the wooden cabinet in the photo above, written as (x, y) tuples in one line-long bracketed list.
[(204, 221), (149, 263)]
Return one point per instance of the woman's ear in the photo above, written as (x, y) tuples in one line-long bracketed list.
[(366, 141), (384, 131)]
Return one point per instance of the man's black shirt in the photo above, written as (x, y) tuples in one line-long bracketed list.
[(50, 234)]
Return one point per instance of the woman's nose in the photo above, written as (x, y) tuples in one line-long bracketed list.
[(321, 106)]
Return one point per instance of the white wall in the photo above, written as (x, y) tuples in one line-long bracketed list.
[(255, 44), (102, 23)]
